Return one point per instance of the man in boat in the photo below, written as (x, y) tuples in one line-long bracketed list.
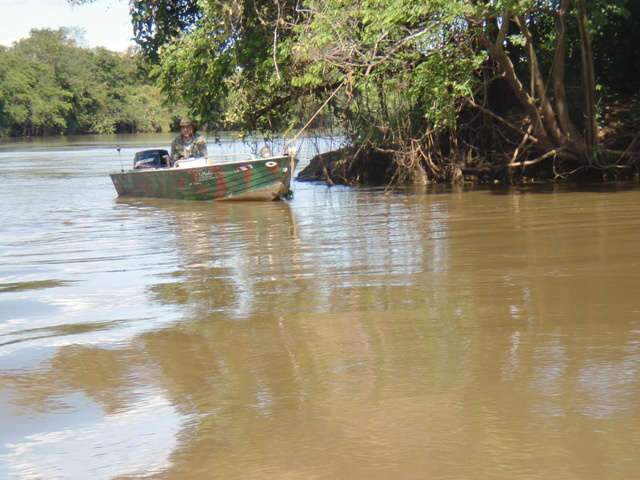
[(189, 144)]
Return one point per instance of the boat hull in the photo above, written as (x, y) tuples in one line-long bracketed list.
[(261, 179)]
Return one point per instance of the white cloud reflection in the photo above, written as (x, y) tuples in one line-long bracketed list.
[(136, 442)]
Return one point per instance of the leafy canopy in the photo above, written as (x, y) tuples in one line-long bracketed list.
[(48, 84)]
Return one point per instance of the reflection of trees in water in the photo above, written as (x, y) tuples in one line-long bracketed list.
[(307, 347), (248, 259), (219, 245), (100, 374)]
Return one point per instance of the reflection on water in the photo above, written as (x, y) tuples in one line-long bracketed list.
[(346, 334)]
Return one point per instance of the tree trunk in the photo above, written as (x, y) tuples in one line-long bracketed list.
[(548, 115), (558, 70), (498, 54), (588, 76)]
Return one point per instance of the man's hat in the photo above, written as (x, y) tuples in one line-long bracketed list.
[(186, 122)]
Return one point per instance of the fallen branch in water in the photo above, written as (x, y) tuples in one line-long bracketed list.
[(521, 145), (528, 163)]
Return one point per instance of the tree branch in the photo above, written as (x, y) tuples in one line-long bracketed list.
[(528, 163), (558, 69), (504, 63), (275, 40), (548, 115), (588, 76)]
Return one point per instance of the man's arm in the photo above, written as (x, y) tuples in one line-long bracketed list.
[(200, 147), (174, 152)]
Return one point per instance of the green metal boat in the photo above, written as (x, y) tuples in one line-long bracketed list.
[(247, 178)]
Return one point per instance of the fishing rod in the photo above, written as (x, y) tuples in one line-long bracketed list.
[(120, 158), (313, 117), (292, 152)]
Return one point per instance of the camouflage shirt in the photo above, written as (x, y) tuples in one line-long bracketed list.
[(195, 147)]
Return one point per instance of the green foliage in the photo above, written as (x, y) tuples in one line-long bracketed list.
[(263, 65), (224, 68), (616, 29), (156, 22), (49, 85), (408, 66)]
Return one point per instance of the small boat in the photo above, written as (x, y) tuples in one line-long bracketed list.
[(228, 177)]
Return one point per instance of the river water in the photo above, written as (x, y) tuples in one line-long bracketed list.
[(347, 334)]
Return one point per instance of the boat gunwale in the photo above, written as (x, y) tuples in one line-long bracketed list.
[(178, 169)]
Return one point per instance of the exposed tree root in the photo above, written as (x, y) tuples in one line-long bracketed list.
[(462, 156)]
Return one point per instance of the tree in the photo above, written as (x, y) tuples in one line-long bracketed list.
[(233, 65), (435, 85), (49, 85), (33, 101), (445, 55), (156, 22)]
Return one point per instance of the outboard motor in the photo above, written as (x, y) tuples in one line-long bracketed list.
[(151, 159)]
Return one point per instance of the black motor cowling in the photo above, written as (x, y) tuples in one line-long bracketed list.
[(151, 159)]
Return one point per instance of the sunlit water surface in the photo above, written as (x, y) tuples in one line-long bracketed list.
[(347, 334)]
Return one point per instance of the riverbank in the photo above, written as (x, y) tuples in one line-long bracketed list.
[(378, 166)]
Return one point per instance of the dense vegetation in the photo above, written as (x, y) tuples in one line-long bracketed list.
[(50, 85), (428, 89)]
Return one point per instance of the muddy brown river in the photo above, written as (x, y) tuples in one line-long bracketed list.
[(346, 334)]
